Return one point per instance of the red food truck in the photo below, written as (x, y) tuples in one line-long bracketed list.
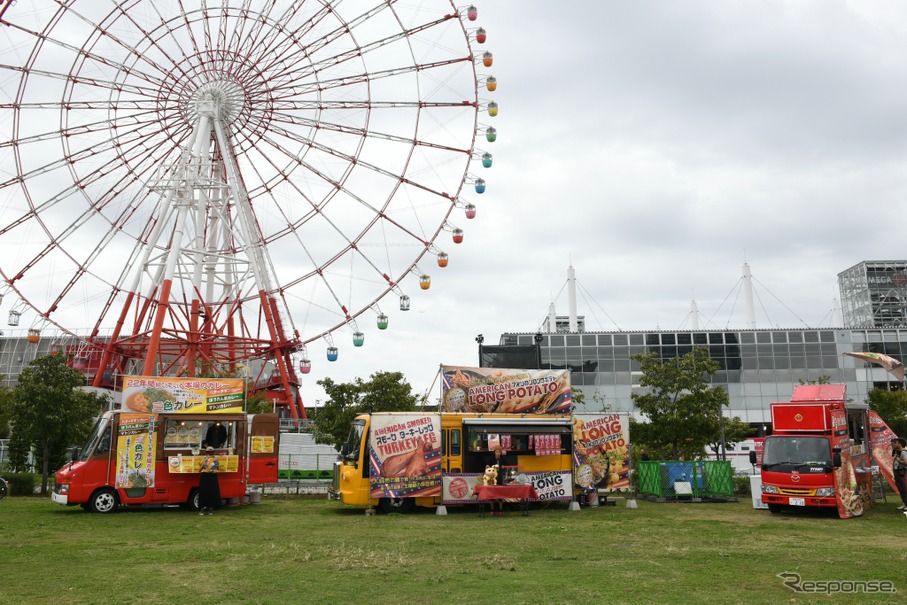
[(818, 454), (150, 451)]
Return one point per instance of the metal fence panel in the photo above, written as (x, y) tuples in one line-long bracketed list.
[(683, 479)]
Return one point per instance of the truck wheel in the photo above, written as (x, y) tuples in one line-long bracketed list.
[(194, 504), (396, 505), (775, 508), (103, 501)]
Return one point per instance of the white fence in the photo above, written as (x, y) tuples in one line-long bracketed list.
[(301, 458)]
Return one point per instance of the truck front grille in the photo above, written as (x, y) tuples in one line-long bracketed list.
[(798, 492)]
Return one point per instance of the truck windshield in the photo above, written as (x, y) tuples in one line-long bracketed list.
[(350, 449), (98, 434), (796, 451)]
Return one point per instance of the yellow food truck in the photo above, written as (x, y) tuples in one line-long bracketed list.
[(398, 460)]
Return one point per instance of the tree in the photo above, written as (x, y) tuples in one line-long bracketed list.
[(48, 411), (735, 431), (257, 403), (891, 406), (683, 411), (579, 400), (383, 392), (5, 406)]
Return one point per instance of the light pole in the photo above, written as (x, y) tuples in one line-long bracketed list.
[(721, 432), (538, 348)]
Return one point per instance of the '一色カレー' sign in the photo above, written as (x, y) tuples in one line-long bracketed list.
[(163, 395), (135, 451)]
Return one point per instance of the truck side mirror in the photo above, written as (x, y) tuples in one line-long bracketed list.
[(752, 456), (836, 458), (75, 454)]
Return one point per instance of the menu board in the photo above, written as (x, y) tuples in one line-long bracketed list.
[(193, 464)]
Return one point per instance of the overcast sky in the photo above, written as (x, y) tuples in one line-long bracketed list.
[(657, 146)]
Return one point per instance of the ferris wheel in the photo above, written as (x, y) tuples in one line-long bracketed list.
[(187, 186)]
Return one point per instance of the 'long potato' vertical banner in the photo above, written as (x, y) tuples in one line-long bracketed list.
[(600, 451)]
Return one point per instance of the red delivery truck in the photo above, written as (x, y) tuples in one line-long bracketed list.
[(150, 451), (817, 454)]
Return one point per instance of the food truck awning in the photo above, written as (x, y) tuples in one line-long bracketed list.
[(527, 426)]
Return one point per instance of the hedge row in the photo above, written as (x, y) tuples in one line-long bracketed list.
[(21, 484)]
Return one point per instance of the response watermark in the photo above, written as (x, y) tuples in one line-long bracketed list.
[(795, 582)]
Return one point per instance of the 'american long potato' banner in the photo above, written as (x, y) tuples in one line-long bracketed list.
[(501, 390)]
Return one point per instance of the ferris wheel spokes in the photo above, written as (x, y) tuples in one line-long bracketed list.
[(339, 139), (203, 238)]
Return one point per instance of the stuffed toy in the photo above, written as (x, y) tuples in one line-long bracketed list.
[(491, 475)]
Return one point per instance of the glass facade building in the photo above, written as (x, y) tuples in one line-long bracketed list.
[(757, 367), (874, 294)]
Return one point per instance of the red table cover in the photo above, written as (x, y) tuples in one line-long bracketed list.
[(504, 492)]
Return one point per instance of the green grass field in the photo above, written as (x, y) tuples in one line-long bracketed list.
[(294, 550)]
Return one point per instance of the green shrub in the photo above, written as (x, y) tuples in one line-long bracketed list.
[(21, 484), (742, 485)]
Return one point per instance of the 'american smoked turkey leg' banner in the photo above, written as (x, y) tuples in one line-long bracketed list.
[(405, 455)]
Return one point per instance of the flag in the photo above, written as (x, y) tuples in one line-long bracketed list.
[(880, 436), (889, 363)]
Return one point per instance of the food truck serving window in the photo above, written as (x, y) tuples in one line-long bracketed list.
[(518, 437), (182, 434), (855, 425)]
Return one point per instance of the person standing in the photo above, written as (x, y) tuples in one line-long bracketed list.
[(500, 461), (899, 469), (498, 454), (216, 436), (208, 486)]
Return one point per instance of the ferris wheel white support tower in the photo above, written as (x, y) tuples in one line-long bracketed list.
[(204, 192)]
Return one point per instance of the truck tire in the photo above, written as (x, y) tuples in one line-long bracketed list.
[(396, 505), (103, 501), (775, 508), (193, 503)]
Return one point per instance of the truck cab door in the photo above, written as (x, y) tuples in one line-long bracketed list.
[(262, 442), (452, 451)]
